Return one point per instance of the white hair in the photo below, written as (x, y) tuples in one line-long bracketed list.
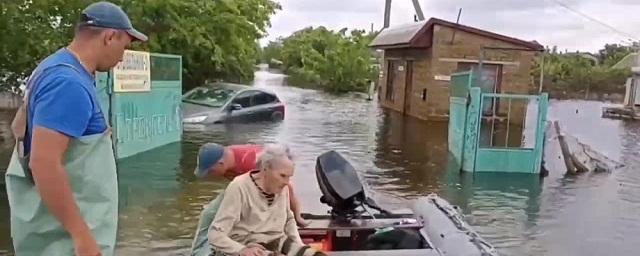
[(271, 154)]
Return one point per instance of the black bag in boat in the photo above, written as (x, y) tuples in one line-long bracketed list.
[(395, 239)]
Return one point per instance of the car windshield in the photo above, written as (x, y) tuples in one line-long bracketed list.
[(215, 96)]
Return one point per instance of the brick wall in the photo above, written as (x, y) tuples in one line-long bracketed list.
[(466, 47), (420, 61), (442, 60)]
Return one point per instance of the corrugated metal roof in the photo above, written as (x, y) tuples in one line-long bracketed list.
[(398, 35), (629, 61), (406, 35)]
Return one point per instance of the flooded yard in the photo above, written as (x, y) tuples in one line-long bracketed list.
[(399, 158)]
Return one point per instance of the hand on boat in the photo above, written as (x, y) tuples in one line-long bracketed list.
[(302, 222)]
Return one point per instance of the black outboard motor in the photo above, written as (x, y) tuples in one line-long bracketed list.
[(341, 188)]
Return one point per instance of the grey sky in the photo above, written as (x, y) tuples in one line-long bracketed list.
[(541, 20)]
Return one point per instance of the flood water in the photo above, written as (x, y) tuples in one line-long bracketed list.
[(399, 158)]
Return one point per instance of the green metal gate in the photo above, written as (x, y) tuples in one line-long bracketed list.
[(460, 85), (144, 119), (472, 143)]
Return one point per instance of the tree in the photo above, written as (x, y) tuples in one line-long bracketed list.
[(32, 30), (569, 75), (217, 39), (272, 53), (336, 62), (613, 53)]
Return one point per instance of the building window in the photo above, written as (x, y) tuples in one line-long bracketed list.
[(491, 75), (490, 82), (424, 94)]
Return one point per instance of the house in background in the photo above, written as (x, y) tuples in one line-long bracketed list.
[(631, 61), (632, 86), (420, 57)]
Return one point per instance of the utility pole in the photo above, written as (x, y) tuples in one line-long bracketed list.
[(387, 12), (416, 5)]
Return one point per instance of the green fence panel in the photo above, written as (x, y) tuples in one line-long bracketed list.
[(458, 118), (505, 160), (467, 98), (514, 160), (472, 129), (144, 120), (460, 85), (103, 91), (543, 107)]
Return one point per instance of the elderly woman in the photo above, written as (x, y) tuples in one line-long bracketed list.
[(254, 217)]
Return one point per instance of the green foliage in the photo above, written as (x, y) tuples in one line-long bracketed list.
[(333, 61), (217, 39), (613, 53), (571, 75), (32, 30), (271, 54)]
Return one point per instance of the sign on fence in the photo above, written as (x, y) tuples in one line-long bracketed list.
[(133, 73)]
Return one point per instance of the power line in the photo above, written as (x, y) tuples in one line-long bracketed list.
[(630, 36)]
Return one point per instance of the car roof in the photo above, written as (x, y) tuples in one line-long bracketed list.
[(232, 86), (238, 87)]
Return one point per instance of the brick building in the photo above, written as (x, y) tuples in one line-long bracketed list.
[(420, 57)]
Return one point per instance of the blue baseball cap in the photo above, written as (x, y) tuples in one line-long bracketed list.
[(208, 155), (108, 15)]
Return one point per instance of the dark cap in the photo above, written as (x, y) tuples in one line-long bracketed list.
[(208, 155), (108, 15)]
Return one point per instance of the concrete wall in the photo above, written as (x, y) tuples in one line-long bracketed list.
[(9, 100)]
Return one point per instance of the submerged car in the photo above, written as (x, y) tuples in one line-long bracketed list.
[(228, 102)]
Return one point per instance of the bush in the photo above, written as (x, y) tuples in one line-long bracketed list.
[(568, 75), (331, 61)]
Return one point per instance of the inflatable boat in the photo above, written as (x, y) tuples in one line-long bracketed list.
[(356, 225)]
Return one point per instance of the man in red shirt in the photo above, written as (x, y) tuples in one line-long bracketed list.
[(215, 161)]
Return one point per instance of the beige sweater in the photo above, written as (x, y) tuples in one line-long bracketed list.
[(245, 217)]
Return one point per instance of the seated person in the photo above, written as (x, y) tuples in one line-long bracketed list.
[(216, 161), (254, 218)]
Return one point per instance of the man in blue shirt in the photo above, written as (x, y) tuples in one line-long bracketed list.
[(61, 181)]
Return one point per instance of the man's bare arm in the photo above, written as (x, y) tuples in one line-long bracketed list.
[(291, 228), (48, 149)]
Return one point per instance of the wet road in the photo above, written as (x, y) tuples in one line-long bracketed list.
[(399, 159)]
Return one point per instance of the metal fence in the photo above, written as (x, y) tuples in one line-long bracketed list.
[(510, 138), (145, 120)]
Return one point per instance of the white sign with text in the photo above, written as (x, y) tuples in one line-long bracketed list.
[(133, 73)]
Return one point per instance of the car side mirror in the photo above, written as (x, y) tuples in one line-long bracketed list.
[(235, 107)]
